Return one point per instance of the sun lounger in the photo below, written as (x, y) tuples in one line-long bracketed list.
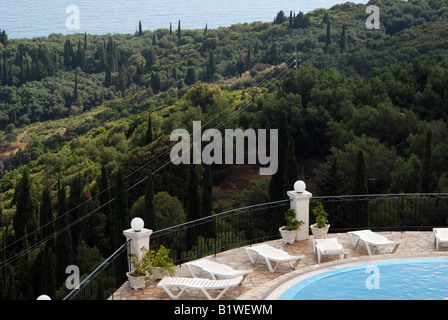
[(215, 269), (327, 247), (372, 239), (271, 254), (440, 236), (197, 284)]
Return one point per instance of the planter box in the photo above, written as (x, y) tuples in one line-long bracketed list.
[(136, 282), (319, 233), (159, 273), (289, 236)]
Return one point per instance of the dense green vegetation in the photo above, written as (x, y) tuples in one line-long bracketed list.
[(89, 117)]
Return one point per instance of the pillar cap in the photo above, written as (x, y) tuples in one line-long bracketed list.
[(295, 195)]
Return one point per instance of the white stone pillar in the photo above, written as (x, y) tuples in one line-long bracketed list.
[(139, 237), (300, 202)]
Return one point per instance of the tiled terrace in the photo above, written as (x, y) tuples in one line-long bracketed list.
[(261, 283)]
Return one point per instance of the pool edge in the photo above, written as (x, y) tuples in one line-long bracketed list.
[(278, 289)]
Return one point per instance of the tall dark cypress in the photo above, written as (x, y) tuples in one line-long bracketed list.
[(291, 174), (207, 200), (207, 192), (140, 29), (108, 78), (150, 217), (46, 217), (25, 220), (328, 37), (106, 207), (179, 32), (121, 211), (193, 203), (360, 180), (426, 180), (149, 136), (360, 187), (64, 247), (276, 185), (343, 40)]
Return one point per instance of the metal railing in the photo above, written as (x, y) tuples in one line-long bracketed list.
[(223, 231), (399, 212), (259, 223), (104, 280)]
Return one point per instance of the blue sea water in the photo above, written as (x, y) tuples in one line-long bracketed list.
[(35, 18), (425, 279)]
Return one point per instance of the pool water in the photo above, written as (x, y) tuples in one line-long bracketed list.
[(425, 279)]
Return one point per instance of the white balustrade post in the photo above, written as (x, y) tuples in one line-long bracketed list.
[(139, 237), (300, 202)]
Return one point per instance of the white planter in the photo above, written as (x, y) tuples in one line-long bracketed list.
[(136, 282), (319, 233), (159, 273), (289, 236)]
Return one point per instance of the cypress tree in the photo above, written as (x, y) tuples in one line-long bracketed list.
[(108, 78), (46, 217), (328, 37), (276, 185), (193, 203), (140, 29), (121, 222), (360, 212), (190, 77), (48, 281), (155, 82), (211, 67), (25, 219), (149, 136), (333, 182), (291, 174), (426, 183), (77, 209), (179, 33), (121, 211), (150, 217), (207, 192), (360, 181), (171, 28), (64, 246), (106, 207), (75, 93), (342, 40)]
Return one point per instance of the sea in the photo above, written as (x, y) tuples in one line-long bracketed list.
[(37, 18)]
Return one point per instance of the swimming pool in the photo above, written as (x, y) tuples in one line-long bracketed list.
[(417, 279)]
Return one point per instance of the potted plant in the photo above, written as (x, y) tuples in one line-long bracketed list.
[(140, 274), (289, 231), (320, 228), (161, 264)]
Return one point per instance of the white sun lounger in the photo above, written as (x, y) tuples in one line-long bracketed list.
[(198, 284), (327, 247), (215, 269), (440, 236), (372, 239), (271, 254)]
